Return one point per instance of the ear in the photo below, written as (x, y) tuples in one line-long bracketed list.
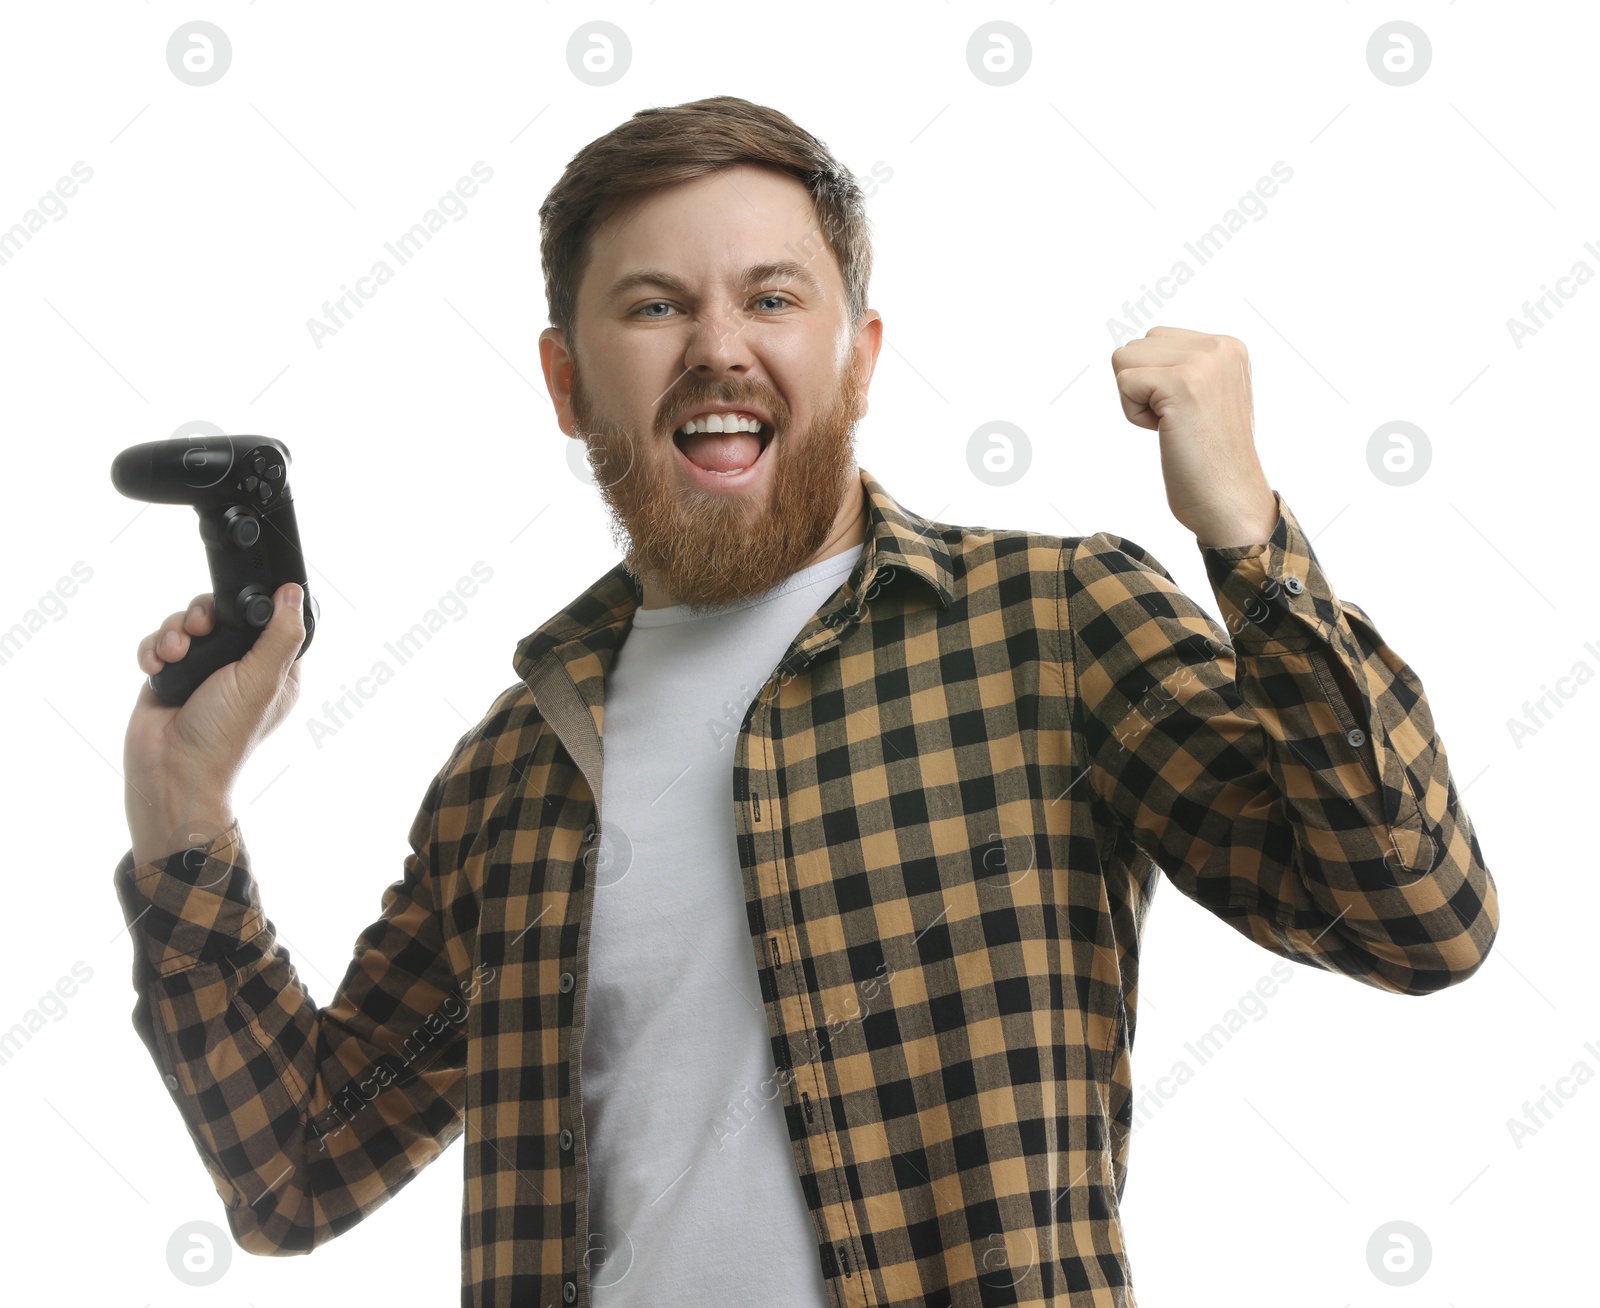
[(557, 362), (868, 341)]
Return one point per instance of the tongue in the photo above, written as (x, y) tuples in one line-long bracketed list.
[(721, 451)]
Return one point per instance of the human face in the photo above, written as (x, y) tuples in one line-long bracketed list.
[(671, 323)]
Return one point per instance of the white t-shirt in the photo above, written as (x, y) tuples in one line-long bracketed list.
[(694, 1194)]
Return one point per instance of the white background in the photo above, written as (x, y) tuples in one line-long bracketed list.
[(1016, 222)]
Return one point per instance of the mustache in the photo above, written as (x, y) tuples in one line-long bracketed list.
[(727, 394)]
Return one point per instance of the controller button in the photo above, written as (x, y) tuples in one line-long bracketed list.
[(248, 485), (263, 492), (258, 610), (244, 532), (275, 471), (258, 462)]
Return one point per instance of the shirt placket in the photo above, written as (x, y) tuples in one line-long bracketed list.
[(568, 715), (760, 818)]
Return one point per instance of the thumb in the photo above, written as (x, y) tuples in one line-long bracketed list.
[(269, 658)]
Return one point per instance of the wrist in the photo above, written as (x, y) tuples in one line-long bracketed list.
[(1252, 526), (164, 820)]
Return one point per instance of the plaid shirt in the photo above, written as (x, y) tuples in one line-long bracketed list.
[(950, 801)]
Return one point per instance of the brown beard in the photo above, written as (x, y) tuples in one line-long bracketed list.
[(711, 548)]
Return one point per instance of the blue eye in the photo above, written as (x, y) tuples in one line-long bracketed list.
[(783, 301)]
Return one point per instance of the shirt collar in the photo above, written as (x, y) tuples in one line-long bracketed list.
[(898, 541)]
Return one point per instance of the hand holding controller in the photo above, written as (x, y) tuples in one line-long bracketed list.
[(239, 487)]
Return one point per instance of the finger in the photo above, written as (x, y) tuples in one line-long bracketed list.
[(151, 647), (270, 658), (170, 643), (1153, 352), (200, 616), (1136, 389)]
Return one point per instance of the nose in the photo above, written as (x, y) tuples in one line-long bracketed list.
[(718, 346)]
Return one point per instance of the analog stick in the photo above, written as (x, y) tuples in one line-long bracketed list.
[(255, 606), (242, 526)]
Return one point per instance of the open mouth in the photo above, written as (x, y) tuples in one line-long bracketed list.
[(762, 437)]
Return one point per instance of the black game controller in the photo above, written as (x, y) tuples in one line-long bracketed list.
[(239, 485)]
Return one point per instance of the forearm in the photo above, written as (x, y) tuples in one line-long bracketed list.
[(297, 1147), (307, 1118)]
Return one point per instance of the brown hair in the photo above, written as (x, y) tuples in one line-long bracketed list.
[(663, 146)]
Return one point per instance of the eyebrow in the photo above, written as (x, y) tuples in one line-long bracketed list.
[(781, 269)]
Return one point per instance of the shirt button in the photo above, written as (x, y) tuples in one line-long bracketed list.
[(569, 1291), (1356, 736), (172, 1081), (566, 1138), (1294, 585), (566, 982)]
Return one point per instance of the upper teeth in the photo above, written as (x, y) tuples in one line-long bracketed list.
[(721, 422)]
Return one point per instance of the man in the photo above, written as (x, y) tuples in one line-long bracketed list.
[(832, 999)]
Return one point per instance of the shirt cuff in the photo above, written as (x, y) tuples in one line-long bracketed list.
[(1273, 595), (191, 907), (1275, 600)]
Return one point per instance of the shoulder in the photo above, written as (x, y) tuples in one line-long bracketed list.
[(494, 750), (1105, 562)]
